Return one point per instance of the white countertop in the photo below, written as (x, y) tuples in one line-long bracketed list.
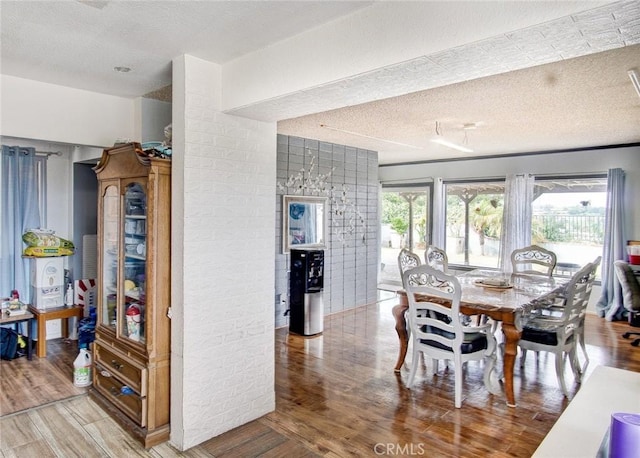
[(582, 426)]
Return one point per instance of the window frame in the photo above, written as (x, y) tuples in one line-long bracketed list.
[(577, 176), (538, 179), (487, 180), (422, 186)]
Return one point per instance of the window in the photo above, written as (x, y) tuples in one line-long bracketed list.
[(405, 223), (473, 222), (41, 174), (568, 219)]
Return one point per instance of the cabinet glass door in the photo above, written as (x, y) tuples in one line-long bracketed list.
[(134, 262), (110, 236)]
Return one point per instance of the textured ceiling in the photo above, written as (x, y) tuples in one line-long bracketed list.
[(594, 30), (581, 102), (560, 84)]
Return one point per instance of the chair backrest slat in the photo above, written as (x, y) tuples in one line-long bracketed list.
[(525, 259), (440, 314), (578, 291), (407, 260), (436, 257)]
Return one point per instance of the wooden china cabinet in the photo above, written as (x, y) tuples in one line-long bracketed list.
[(133, 343)]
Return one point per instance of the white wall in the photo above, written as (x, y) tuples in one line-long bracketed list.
[(155, 116), (223, 206), (42, 111)]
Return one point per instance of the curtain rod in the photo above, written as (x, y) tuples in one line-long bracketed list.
[(48, 153)]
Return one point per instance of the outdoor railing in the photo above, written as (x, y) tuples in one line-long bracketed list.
[(570, 228)]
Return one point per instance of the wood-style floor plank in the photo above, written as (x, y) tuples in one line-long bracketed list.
[(26, 384), (236, 438), (16, 431), (84, 412), (167, 451), (110, 437), (337, 396), (63, 433), (39, 449)]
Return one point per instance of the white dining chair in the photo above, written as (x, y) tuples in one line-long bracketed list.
[(437, 330), (560, 333), (557, 308)]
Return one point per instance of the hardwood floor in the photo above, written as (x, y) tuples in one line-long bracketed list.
[(337, 396), (25, 384)]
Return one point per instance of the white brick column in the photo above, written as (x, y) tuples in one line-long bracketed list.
[(223, 235)]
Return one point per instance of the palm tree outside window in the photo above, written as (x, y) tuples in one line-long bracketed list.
[(568, 219)]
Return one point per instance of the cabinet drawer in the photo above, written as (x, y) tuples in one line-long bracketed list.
[(133, 405), (132, 374)]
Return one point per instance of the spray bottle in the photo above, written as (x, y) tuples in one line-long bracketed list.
[(68, 298)]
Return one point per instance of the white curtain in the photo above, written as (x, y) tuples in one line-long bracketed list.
[(439, 224), (615, 240), (516, 216), (20, 211)]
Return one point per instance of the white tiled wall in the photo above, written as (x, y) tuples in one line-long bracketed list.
[(351, 265), (223, 329)]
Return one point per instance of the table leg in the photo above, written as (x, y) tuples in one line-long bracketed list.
[(511, 338), (64, 322), (41, 349), (401, 329), (30, 331)]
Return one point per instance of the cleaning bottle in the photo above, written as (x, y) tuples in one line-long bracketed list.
[(73, 322), (82, 369)]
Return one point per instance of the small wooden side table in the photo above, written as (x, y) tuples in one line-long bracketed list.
[(15, 319), (57, 313)]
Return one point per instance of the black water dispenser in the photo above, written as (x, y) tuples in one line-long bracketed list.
[(306, 282)]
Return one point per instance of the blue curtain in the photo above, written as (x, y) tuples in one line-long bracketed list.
[(20, 211), (610, 303)]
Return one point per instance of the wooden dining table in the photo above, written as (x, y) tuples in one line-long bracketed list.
[(507, 305)]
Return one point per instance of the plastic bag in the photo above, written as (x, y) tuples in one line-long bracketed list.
[(43, 242)]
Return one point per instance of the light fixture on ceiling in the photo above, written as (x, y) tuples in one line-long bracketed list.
[(368, 136), (635, 80), (439, 139), (122, 69), (98, 4), (448, 144)]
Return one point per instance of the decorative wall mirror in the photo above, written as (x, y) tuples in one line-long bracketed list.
[(304, 222)]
